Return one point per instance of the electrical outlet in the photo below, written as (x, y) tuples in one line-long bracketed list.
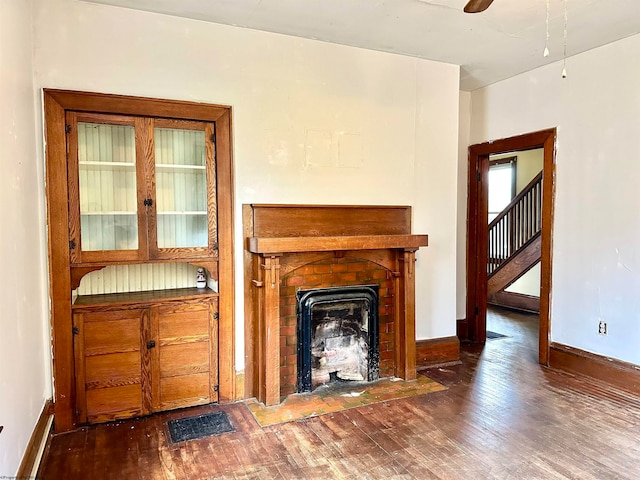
[(602, 327)]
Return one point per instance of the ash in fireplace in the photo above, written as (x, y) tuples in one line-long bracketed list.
[(339, 350)]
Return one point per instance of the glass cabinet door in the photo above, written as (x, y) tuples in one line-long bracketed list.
[(140, 188), (104, 174), (184, 195)]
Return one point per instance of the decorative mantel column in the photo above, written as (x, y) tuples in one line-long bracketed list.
[(405, 325), (270, 334)]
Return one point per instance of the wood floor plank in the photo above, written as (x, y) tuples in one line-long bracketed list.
[(503, 416)]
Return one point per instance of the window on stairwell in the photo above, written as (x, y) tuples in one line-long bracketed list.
[(502, 184)]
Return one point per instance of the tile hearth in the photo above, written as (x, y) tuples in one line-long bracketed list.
[(337, 397)]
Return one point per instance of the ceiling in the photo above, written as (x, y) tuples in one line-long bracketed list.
[(505, 40)]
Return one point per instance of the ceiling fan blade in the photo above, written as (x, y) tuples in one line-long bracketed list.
[(477, 6)]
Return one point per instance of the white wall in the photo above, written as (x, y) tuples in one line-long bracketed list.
[(24, 362), (313, 122), (463, 168), (596, 259), (530, 164), (527, 284)]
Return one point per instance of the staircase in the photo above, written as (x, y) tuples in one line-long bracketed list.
[(514, 239)]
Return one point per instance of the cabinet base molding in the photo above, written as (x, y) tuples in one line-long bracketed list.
[(437, 351), (37, 443), (619, 374)]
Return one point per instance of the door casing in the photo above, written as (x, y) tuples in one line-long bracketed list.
[(474, 327)]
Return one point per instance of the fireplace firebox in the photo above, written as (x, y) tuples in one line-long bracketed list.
[(337, 335)]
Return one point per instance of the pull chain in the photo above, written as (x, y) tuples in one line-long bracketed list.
[(546, 40), (564, 54)]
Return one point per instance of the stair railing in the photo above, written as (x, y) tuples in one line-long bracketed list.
[(518, 223)]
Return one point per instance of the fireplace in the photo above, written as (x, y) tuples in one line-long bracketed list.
[(299, 248), (337, 335)]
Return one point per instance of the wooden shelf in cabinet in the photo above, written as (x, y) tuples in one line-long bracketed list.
[(88, 163), (141, 299), (113, 212), (182, 213), (180, 166)]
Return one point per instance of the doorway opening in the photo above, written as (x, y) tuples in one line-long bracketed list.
[(514, 229), (473, 328)]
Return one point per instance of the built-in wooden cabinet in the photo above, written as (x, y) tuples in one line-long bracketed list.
[(135, 356), (134, 181)]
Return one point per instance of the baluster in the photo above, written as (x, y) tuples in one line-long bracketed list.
[(530, 214), (502, 223), (539, 206), (514, 225), (526, 219), (508, 240), (531, 210), (525, 230), (498, 235), (490, 246), (494, 253), (503, 242), (495, 243), (523, 221)]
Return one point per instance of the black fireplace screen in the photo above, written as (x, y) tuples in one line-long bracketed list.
[(337, 335)]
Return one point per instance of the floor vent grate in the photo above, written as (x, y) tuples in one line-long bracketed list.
[(201, 426), (494, 335)]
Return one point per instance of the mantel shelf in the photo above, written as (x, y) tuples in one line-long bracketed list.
[(267, 245)]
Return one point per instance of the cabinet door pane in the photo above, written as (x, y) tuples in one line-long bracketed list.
[(181, 188), (107, 183)]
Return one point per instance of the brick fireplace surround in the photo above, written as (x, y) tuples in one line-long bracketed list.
[(300, 247)]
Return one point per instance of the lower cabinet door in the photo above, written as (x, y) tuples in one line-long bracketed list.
[(133, 362), (111, 374), (185, 359)]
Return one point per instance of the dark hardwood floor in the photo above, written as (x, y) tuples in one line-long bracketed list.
[(502, 417)]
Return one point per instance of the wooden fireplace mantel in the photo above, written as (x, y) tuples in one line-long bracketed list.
[(266, 245), (280, 238)]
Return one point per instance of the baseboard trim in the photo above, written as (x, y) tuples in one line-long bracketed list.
[(37, 443), (462, 329), (622, 375), (437, 351), (516, 301)]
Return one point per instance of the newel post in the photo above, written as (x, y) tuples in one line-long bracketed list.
[(270, 325)]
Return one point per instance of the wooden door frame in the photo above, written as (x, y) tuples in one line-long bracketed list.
[(474, 327), (56, 104)]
